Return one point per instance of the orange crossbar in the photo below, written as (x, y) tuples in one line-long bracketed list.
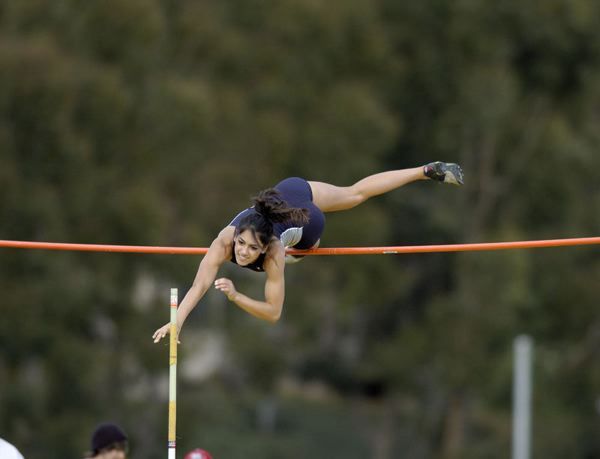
[(321, 251)]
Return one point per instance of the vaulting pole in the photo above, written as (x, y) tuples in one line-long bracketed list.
[(173, 375)]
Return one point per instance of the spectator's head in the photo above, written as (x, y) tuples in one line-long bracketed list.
[(198, 454), (109, 442)]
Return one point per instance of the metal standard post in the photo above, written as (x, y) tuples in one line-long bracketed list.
[(523, 350), (173, 374)]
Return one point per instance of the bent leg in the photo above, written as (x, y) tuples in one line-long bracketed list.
[(330, 198), (291, 259)]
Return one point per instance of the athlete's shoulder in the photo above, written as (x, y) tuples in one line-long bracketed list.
[(226, 235), (222, 245), (275, 256)]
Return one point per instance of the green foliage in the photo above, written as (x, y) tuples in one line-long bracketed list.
[(155, 121)]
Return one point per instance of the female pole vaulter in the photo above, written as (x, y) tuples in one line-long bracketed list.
[(291, 214)]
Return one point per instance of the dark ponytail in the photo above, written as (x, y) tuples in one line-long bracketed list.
[(271, 205), (270, 208)]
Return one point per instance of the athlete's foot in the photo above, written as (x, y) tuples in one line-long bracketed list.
[(444, 172), (291, 259)]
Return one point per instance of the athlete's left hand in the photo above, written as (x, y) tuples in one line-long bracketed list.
[(227, 287)]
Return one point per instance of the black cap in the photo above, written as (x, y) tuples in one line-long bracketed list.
[(107, 434)]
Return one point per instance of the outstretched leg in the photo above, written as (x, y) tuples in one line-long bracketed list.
[(330, 198)]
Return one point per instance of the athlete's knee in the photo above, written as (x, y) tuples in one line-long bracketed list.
[(356, 195)]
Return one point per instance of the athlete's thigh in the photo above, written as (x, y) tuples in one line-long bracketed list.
[(330, 198)]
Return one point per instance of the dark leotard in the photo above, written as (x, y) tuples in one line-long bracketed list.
[(295, 192)]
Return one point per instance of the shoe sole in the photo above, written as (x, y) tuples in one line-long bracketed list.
[(454, 175)]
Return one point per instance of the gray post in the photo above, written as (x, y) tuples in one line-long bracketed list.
[(521, 435)]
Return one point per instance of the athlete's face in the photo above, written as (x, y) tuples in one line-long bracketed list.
[(247, 248)]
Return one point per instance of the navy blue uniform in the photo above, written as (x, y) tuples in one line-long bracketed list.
[(295, 192)]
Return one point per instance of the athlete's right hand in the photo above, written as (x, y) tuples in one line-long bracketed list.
[(162, 332)]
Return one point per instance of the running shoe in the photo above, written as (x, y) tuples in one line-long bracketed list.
[(444, 172)]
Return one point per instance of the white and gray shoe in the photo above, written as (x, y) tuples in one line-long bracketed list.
[(444, 172)]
